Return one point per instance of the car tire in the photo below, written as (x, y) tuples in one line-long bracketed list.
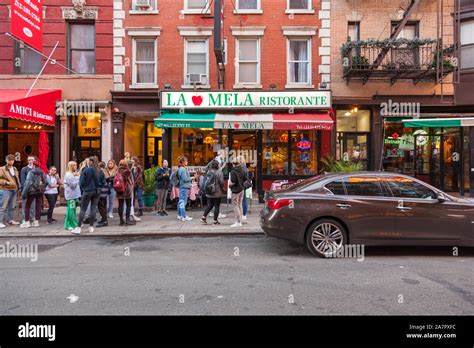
[(325, 237)]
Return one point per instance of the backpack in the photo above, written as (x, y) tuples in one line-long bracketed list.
[(174, 179), (119, 183), (38, 184), (210, 183)]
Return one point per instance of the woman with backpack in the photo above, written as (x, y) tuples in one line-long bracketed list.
[(33, 190), (51, 192), (109, 177), (162, 182), (123, 185), (72, 192), (213, 188), (185, 182)]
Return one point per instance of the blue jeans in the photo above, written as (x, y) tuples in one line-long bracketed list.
[(244, 204), (110, 201), (139, 197), (7, 202), (183, 200)]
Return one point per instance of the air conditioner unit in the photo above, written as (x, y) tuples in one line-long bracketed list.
[(143, 4), (198, 79)]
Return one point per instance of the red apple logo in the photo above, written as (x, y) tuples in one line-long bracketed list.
[(197, 100)]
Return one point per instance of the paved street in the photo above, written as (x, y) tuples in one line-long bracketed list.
[(153, 276)]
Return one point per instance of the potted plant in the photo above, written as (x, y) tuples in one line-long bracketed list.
[(330, 165), (149, 189)]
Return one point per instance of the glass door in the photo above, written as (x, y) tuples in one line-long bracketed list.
[(353, 147), (452, 164), (245, 144)]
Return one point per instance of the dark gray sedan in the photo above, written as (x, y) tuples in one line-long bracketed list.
[(327, 212)]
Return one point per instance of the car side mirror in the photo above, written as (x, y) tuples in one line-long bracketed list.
[(441, 197)]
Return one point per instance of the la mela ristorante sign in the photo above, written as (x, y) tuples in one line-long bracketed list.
[(246, 100)]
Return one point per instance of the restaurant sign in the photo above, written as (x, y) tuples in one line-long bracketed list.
[(246, 100)]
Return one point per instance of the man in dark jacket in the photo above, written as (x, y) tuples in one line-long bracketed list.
[(33, 191), (23, 174), (89, 182), (236, 183), (162, 179)]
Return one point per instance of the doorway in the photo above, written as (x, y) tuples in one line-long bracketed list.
[(354, 147), (244, 143), (153, 145)]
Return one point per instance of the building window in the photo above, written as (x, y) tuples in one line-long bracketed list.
[(409, 31), (353, 31), (248, 5), (144, 62), (196, 62), (144, 5), (82, 48), (248, 61), (299, 61), (196, 6), (299, 5), (199, 145), (467, 44), (27, 61)]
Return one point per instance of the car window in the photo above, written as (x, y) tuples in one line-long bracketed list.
[(406, 188), (363, 186), (336, 187)]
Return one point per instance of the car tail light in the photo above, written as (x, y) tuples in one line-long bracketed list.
[(278, 203)]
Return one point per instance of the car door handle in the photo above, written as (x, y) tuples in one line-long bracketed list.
[(343, 206), (404, 208)]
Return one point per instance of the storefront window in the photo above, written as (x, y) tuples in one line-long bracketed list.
[(275, 152), (353, 129), (154, 145), (198, 145), (304, 153), (399, 148)]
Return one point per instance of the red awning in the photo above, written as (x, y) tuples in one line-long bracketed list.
[(39, 107), (322, 121)]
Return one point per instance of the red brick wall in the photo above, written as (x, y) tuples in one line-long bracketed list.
[(55, 29), (171, 45)]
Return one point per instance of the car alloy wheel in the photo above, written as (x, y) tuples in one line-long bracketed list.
[(325, 238)]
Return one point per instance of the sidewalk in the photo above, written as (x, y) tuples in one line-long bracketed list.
[(150, 225)]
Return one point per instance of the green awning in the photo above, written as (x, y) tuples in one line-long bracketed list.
[(185, 121), (439, 122)]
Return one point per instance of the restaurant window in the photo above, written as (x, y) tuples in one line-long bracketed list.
[(363, 186), (248, 4), (467, 44), (197, 62), (299, 5), (299, 61), (399, 148), (248, 61), (199, 145), (278, 146), (144, 62), (26, 60), (353, 130), (82, 48)]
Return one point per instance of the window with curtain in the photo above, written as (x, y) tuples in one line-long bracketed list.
[(82, 48), (196, 4), (298, 4), (144, 5), (353, 31), (248, 4), (196, 61), (26, 61), (299, 61), (467, 44), (145, 61), (248, 61)]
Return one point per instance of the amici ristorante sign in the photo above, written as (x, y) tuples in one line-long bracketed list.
[(246, 100)]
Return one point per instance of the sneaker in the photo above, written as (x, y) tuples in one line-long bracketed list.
[(244, 217), (135, 218), (111, 216), (160, 213), (91, 229), (180, 218), (216, 223), (187, 218), (164, 213), (76, 230), (13, 222), (26, 224), (2, 225), (36, 223), (237, 224), (203, 220), (222, 216)]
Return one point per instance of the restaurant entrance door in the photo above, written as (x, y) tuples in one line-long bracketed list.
[(244, 143)]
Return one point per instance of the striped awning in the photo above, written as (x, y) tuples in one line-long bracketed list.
[(439, 122), (320, 121)]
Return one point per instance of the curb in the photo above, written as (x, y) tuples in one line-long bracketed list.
[(140, 234)]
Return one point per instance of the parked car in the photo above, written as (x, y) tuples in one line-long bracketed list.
[(326, 212)]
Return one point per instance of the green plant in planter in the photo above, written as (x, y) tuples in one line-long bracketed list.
[(331, 165), (447, 65), (360, 62), (149, 187)]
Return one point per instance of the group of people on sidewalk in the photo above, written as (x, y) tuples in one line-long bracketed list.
[(94, 185)]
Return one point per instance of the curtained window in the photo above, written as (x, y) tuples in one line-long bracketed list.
[(298, 4), (248, 4), (299, 61), (145, 61), (82, 48), (248, 61)]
